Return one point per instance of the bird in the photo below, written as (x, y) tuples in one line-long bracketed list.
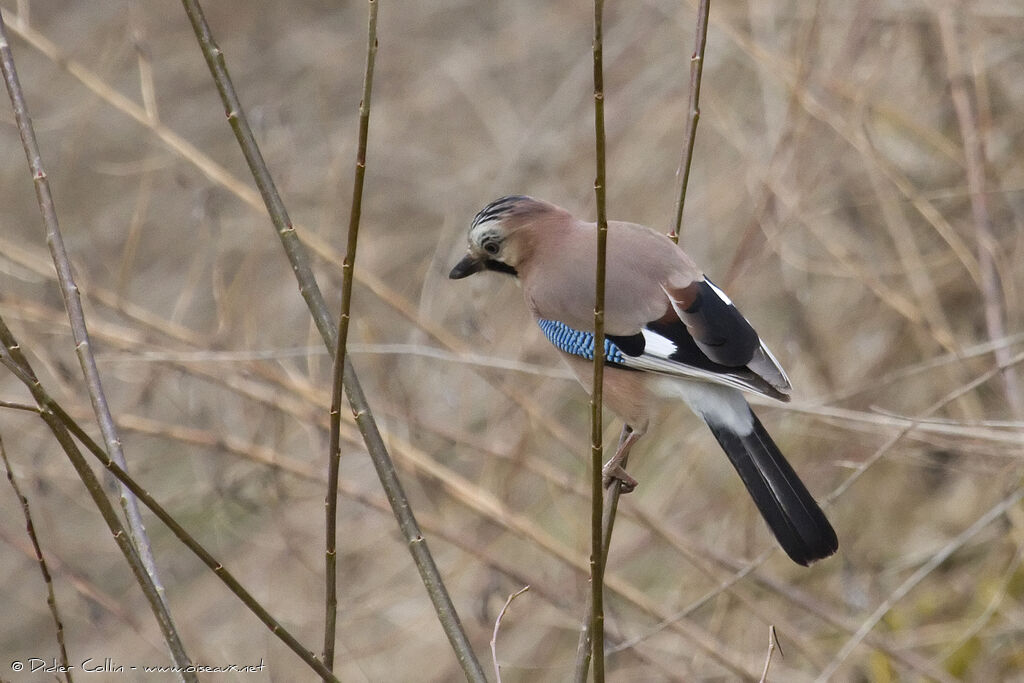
[(669, 332)]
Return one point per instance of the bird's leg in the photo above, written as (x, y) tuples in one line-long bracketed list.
[(613, 469)]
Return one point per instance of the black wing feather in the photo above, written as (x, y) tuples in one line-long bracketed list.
[(719, 329)]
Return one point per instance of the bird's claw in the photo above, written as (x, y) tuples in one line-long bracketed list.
[(612, 473)]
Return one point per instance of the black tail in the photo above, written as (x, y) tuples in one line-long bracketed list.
[(792, 514)]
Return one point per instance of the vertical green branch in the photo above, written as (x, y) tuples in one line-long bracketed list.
[(611, 506), (338, 374), (596, 427), (692, 112)]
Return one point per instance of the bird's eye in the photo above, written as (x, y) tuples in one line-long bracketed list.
[(491, 247)]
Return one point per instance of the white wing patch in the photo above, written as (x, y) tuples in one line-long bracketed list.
[(657, 345), (719, 292), (656, 358)]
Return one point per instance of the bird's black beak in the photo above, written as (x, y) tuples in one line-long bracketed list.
[(467, 266)]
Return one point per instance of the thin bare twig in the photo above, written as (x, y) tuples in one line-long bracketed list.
[(30, 529), (83, 348), (338, 370), (497, 625), (692, 113), (773, 643), (19, 406), (310, 291), (597, 392)]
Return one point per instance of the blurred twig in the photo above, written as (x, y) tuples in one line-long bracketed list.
[(83, 348), (297, 255), (913, 424), (692, 112), (919, 279), (338, 369), (974, 155), (765, 208), (146, 85), (906, 372), (30, 529), (35, 262), (310, 290), (596, 396)]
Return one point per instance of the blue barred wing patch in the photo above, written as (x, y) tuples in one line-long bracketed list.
[(578, 343)]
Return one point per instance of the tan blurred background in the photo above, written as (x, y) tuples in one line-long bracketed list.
[(829, 197)]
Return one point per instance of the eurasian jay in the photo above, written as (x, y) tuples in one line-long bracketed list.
[(669, 332)]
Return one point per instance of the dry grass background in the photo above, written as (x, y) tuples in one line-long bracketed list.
[(829, 196)]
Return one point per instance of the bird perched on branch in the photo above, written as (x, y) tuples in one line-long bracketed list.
[(669, 332)]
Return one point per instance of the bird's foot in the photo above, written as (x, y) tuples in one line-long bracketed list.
[(612, 472)]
